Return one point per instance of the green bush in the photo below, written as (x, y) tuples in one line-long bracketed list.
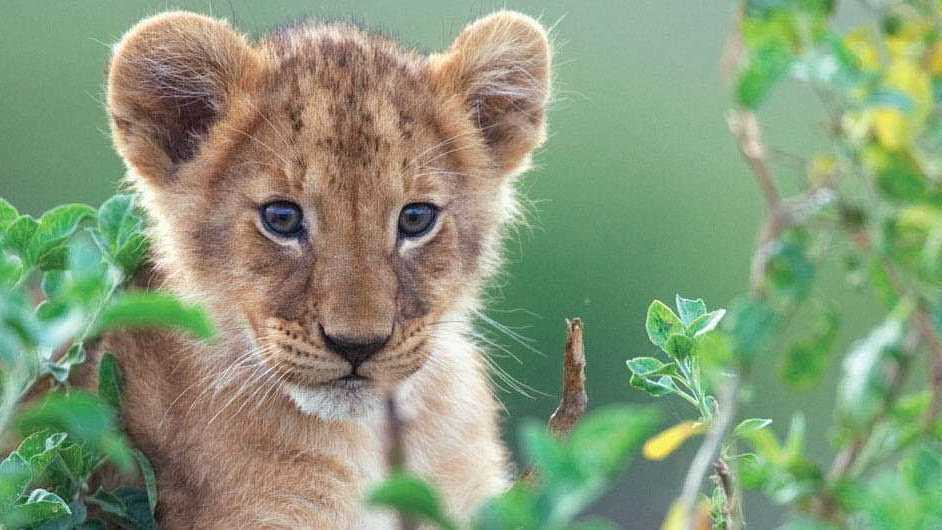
[(75, 261)]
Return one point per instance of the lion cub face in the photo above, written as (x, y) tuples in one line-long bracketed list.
[(330, 195)]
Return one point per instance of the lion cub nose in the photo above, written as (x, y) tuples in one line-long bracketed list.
[(355, 349)]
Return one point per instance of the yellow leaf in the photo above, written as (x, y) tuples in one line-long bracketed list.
[(856, 126), (662, 445), (920, 218), (821, 169), (860, 44), (907, 41), (676, 518), (910, 79), (890, 127), (934, 63)]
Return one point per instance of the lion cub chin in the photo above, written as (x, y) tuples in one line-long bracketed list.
[(337, 202), (343, 401)]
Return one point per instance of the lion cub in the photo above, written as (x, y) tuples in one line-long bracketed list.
[(336, 201)]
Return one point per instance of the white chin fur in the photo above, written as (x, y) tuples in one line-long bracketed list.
[(333, 403)]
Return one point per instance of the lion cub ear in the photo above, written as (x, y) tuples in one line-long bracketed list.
[(500, 65), (171, 77)]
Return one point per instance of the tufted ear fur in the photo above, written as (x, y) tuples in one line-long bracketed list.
[(500, 66), (171, 77)]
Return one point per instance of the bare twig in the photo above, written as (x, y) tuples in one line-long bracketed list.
[(573, 402), (707, 454), (395, 452), (745, 128), (927, 330), (731, 505)]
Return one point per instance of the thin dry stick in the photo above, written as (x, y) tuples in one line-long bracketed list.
[(745, 128), (709, 451), (395, 452), (724, 479)]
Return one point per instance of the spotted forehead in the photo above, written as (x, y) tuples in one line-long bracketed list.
[(350, 107)]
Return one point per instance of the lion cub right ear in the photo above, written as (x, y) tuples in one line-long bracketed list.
[(171, 77)]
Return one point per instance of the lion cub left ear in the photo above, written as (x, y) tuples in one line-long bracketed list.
[(171, 78), (500, 66)]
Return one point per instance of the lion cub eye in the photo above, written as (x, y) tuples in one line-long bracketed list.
[(416, 219), (281, 218)]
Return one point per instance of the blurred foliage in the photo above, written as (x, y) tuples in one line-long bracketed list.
[(871, 199), (571, 474), (62, 283)]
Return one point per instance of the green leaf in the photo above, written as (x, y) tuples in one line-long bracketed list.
[(77, 460), (789, 271), (118, 220), (706, 323), (40, 507), (548, 455), (661, 323), (747, 427), (130, 255), (129, 505), (60, 369), (15, 476), (661, 386), (806, 361), (515, 508), (649, 366), (55, 227), (109, 381), (150, 479), (866, 370), (923, 471), (690, 310), (152, 309), (653, 376), (899, 177), (576, 472), (52, 283), (605, 441), (121, 232), (767, 65), (33, 444), (8, 214), (750, 322), (19, 234), (11, 268), (679, 346), (85, 417), (411, 496)]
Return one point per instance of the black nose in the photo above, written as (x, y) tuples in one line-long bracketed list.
[(356, 349)]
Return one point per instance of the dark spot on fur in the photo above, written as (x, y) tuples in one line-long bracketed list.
[(294, 114)]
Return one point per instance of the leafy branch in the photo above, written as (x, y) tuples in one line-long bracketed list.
[(63, 281)]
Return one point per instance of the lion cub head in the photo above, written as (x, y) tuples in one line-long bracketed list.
[(328, 194)]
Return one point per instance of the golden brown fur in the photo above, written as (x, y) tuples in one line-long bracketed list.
[(256, 430)]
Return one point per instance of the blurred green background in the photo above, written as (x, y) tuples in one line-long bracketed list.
[(638, 194)]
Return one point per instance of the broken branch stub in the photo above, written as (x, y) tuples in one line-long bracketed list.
[(572, 403)]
